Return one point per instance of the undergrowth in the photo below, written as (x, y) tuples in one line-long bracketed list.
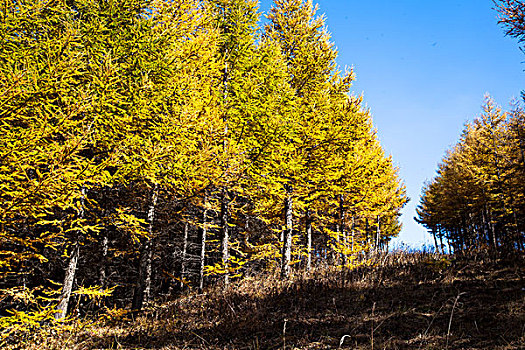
[(397, 301)]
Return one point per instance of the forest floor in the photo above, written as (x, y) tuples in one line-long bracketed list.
[(408, 301)]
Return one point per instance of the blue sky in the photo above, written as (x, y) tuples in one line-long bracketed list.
[(423, 68)]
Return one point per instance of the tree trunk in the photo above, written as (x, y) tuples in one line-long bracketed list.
[(142, 292), (287, 244), (378, 234), (335, 253), (367, 234), (69, 278), (225, 246), (434, 234), (102, 271), (342, 228), (308, 240), (184, 255), (441, 241), (68, 283), (353, 233), (492, 231), (486, 228), (204, 232)]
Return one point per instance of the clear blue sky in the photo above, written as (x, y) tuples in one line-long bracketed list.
[(423, 68)]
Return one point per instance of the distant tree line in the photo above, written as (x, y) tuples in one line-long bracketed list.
[(477, 199), (148, 146)]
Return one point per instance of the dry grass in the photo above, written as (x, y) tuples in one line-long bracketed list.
[(404, 301)]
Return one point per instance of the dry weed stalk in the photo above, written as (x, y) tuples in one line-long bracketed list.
[(343, 340), (372, 327), (452, 315), (284, 334)]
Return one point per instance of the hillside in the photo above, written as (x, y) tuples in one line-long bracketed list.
[(407, 301)]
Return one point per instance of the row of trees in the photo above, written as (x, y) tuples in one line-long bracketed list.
[(477, 199), (149, 145)]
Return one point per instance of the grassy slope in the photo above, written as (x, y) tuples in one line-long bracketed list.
[(405, 302)]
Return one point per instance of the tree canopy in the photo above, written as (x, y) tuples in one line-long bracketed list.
[(148, 146), (476, 199)]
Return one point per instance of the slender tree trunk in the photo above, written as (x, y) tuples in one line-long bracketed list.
[(204, 232), (140, 287), (225, 244), (378, 233), (342, 229), (336, 255), (68, 283), (151, 218), (441, 241), (142, 292), (308, 240), (492, 230), (466, 233), (434, 234), (102, 271), (225, 233), (69, 278), (287, 244), (104, 245), (353, 233), (367, 233), (486, 231), (458, 240), (281, 239), (517, 235), (184, 255)]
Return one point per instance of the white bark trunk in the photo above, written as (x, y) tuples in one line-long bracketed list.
[(287, 244), (69, 278), (342, 228), (225, 232), (68, 283), (204, 232), (353, 233), (184, 254), (378, 234), (308, 240), (143, 288), (105, 244)]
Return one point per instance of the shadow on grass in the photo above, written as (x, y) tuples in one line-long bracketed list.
[(418, 305)]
